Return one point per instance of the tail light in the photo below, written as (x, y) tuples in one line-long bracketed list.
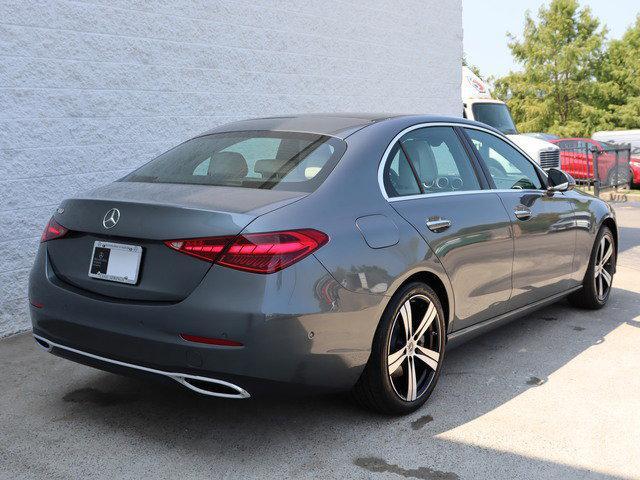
[(254, 252), (52, 231)]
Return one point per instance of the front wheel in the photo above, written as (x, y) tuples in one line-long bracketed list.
[(597, 282), (407, 353)]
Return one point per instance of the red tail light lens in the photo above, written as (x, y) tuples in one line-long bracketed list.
[(204, 248), (254, 252), (271, 252), (52, 231)]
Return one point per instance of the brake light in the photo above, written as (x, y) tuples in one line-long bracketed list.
[(52, 231), (254, 252), (204, 248)]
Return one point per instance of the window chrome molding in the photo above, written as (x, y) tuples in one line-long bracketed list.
[(385, 158), (463, 192)]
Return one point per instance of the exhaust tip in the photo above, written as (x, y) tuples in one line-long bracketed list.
[(212, 387), (202, 385), (43, 344)]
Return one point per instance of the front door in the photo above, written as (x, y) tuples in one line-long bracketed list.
[(464, 222), (543, 222)]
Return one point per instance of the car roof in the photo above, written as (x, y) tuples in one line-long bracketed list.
[(339, 125)]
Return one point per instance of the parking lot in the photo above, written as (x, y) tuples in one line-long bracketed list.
[(555, 394)]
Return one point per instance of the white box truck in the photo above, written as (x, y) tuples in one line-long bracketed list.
[(479, 106)]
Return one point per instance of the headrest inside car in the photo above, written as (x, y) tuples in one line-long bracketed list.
[(269, 167), (228, 165)]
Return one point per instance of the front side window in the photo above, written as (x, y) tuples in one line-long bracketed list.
[(508, 167), (251, 159)]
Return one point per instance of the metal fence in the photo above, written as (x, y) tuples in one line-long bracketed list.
[(602, 169)]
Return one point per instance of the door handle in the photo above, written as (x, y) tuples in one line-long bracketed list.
[(521, 212), (438, 224)]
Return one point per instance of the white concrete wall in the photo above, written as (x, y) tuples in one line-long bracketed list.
[(90, 89)]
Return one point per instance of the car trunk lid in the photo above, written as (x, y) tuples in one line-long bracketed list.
[(149, 214)]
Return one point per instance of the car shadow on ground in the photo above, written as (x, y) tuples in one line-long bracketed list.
[(478, 377)]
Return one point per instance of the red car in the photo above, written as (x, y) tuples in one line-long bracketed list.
[(635, 171), (577, 159)]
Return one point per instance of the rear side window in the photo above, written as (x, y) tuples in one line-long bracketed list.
[(439, 161), (399, 179), (252, 159)]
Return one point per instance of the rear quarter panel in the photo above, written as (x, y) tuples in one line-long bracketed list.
[(350, 193)]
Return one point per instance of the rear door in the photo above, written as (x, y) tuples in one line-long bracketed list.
[(464, 223), (543, 222)]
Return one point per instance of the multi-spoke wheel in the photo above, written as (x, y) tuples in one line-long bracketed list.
[(603, 271), (407, 352), (596, 286), (414, 350)]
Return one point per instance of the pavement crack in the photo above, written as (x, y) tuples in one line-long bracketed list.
[(378, 465)]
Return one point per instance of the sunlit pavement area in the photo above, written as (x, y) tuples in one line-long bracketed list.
[(553, 395)]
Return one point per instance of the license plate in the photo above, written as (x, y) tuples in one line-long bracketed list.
[(115, 262)]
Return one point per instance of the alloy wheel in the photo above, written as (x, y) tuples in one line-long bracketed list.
[(603, 270), (413, 353)]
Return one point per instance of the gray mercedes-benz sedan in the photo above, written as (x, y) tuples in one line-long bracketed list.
[(339, 252)]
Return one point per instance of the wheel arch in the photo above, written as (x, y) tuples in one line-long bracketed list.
[(611, 224), (437, 284)]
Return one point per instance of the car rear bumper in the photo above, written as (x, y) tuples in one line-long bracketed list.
[(298, 328)]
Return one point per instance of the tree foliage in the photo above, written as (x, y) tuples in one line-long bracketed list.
[(620, 77), (572, 82)]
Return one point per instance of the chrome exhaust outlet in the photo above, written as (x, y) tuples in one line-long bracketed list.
[(211, 387), (42, 343)]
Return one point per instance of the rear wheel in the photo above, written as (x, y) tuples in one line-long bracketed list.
[(407, 353), (596, 286)]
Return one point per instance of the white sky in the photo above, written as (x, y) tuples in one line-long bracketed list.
[(486, 23)]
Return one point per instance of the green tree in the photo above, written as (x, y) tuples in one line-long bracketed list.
[(620, 78), (561, 53)]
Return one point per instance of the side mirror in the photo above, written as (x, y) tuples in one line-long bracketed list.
[(559, 181)]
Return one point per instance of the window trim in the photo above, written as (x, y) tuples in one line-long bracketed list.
[(490, 187)]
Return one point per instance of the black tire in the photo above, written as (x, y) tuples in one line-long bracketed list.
[(376, 389), (589, 295)]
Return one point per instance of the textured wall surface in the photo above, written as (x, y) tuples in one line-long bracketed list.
[(90, 89)]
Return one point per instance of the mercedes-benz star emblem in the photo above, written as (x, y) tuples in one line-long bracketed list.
[(111, 218)]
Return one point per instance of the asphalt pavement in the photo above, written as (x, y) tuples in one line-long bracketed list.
[(555, 394)]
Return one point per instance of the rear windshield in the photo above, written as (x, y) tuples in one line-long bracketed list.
[(253, 159)]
